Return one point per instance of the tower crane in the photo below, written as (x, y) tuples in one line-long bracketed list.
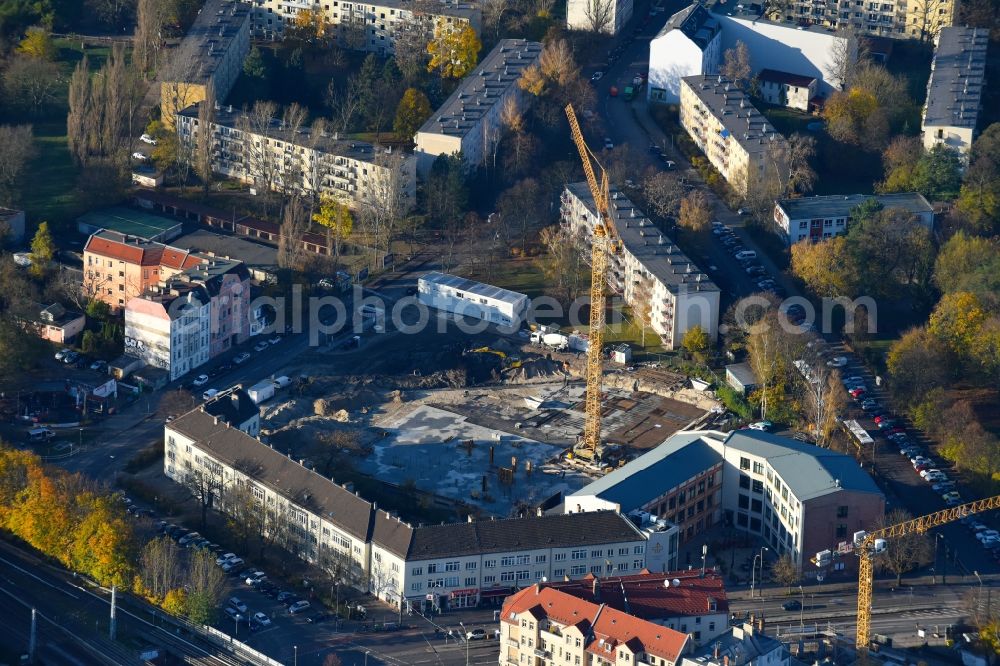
[(605, 242), (867, 545)]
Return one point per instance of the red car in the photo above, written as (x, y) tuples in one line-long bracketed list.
[(881, 417), (857, 393)]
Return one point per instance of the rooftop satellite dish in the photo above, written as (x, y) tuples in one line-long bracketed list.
[(676, 582)]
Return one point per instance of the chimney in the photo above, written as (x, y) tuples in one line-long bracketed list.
[(715, 652), (725, 660), (538, 588), (538, 512), (760, 626), (469, 517), (596, 589)]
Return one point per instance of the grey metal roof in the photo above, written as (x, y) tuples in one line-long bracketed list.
[(695, 22), (212, 244), (743, 373), (955, 88), (477, 288), (841, 205), (480, 91), (809, 471), (673, 462), (734, 110), (641, 239)]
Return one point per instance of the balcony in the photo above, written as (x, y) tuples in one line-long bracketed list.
[(512, 642)]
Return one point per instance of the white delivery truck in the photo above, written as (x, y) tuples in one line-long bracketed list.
[(261, 391)]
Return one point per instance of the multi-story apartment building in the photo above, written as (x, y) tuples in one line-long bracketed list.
[(365, 26), (816, 218), (955, 89), (650, 272), (687, 601), (603, 16), (209, 58), (435, 566), (685, 490), (546, 627), (901, 19), (735, 137), (743, 645), (469, 122), (117, 267), (268, 154), (185, 320), (797, 498), (689, 44)]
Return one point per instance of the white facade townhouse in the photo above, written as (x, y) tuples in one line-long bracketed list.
[(435, 566), (469, 122), (955, 89), (786, 89), (451, 293), (820, 217), (605, 16), (690, 43), (270, 155), (649, 269), (364, 26)]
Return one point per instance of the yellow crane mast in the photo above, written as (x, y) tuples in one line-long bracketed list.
[(605, 242), (867, 549)]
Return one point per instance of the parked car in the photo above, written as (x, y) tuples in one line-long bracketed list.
[(943, 486), (200, 380), (142, 157), (275, 340), (262, 619), (285, 596), (746, 254), (476, 635), (856, 393), (190, 536), (232, 564), (62, 353), (99, 366), (951, 496), (761, 425), (236, 603), (241, 358), (255, 578), (792, 605), (837, 362), (597, 76), (298, 607), (228, 557), (145, 138), (260, 346), (232, 613)]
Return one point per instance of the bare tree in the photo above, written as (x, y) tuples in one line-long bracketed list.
[(384, 202), (846, 54), (295, 223), (16, 147), (160, 566), (205, 488), (32, 82), (204, 577), (151, 19), (902, 553), (600, 15), (175, 403), (663, 193), (344, 104), (736, 64), (244, 513), (257, 129), (203, 151), (493, 11), (294, 170)]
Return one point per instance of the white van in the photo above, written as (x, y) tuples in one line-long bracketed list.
[(40, 435), (209, 394), (281, 382), (746, 254)]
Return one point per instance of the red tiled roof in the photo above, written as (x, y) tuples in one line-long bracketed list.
[(178, 259), (600, 624), (133, 254), (645, 595)]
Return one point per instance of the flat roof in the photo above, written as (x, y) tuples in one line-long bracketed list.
[(646, 243), (231, 247), (480, 91), (955, 88), (472, 287), (328, 142), (732, 107), (743, 373), (650, 475), (695, 22), (207, 40), (841, 205), (130, 222)]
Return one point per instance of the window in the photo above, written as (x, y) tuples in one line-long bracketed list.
[(623, 551), (841, 531), (841, 512), (578, 570), (743, 502), (470, 566), (416, 587), (758, 467), (540, 559), (470, 581), (744, 481), (524, 559), (417, 571), (596, 553), (745, 463), (558, 573), (452, 566), (638, 550), (559, 557), (756, 505), (489, 579), (523, 575), (507, 576), (507, 561), (489, 564), (579, 555), (758, 486), (432, 568), (596, 569)]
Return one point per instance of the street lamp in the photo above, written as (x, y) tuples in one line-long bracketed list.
[(979, 600), (367, 652), (296, 649), (753, 569), (465, 635), (937, 542), (802, 605)]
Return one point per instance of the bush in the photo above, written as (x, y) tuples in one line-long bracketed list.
[(734, 402), (145, 457)]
